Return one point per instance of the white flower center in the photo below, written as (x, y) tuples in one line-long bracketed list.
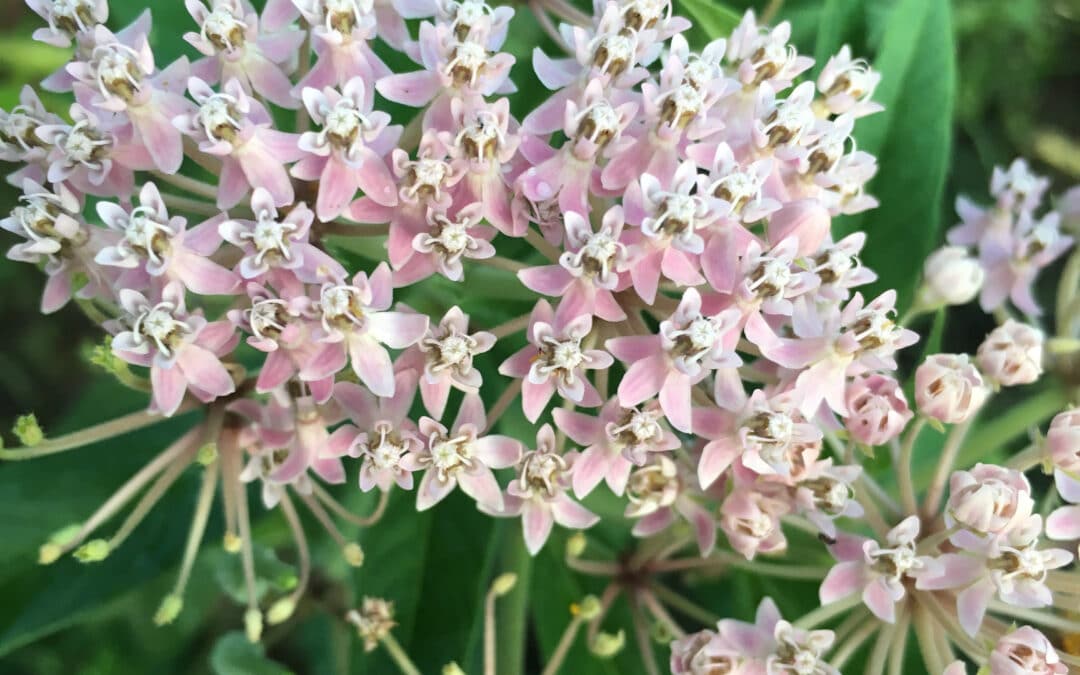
[(117, 68), (271, 238), (224, 29), (145, 234), (218, 117), (267, 317), (158, 324), (541, 473)]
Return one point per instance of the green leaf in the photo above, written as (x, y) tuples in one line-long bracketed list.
[(836, 20), (234, 655), (711, 20), (912, 140), (271, 574)]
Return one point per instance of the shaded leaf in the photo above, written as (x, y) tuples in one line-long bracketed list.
[(234, 655)]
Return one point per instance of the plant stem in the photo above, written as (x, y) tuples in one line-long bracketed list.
[(844, 653), (1028, 458), (203, 504), (685, 606), (944, 467), (875, 665), (501, 263), (725, 559), (400, 658), (345, 229), (563, 647), (503, 402), (361, 521), (189, 205), (660, 613), (187, 184), (903, 467), (151, 498), (924, 629), (94, 434), (641, 635), (542, 245), (510, 327), (828, 612)]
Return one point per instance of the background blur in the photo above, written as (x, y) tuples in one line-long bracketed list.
[(1015, 93)]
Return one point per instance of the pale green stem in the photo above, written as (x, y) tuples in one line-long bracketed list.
[(687, 607), (489, 632), (247, 552), (607, 598), (944, 468), (1036, 617), (875, 665), (594, 568), (507, 328), (203, 503), (1065, 582), (563, 647), (542, 245), (94, 434), (366, 521), (845, 651), (501, 263), (1028, 458), (924, 630), (297, 529), (503, 402), (151, 498), (192, 185), (946, 619), (660, 613), (188, 205), (725, 559), (342, 228), (828, 612), (1068, 288), (324, 519), (903, 467), (398, 655), (303, 122), (644, 640)]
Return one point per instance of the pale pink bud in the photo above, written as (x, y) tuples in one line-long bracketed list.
[(877, 409), (989, 498), (1025, 651), (1063, 441), (950, 277), (949, 388), (1012, 354)]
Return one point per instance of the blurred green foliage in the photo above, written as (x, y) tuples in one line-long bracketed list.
[(968, 84)]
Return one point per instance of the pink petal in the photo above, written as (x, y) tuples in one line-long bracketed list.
[(876, 596), (327, 361), (535, 397), (337, 187), (204, 370), (480, 484), (590, 468), (276, 370), (569, 513), (498, 452), (413, 89), (642, 380), (582, 429), (716, 457), (675, 400), (842, 580), (1064, 524), (432, 490), (397, 330), (169, 386), (371, 363), (536, 524), (971, 604)]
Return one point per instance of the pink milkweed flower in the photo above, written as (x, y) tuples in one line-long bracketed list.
[(839, 269), (751, 521), (594, 130), (387, 441), (878, 573), (19, 141), (610, 55), (762, 55), (463, 457), (51, 224), (274, 247), (770, 279), (1011, 266), (301, 434), (784, 127), (843, 187), (237, 128), (90, 157), (689, 346), (485, 144), (347, 153), (1011, 354), (262, 463), (823, 492), (988, 500), (736, 646), (182, 350), (767, 435), (281, 327), (588, 270), (454, 66), (833, 344), (68, 19), (670, 219), (153, 244), (614, 443), (951, 276), (340, 31), (539, 493), (675, 114), (1063, 441), (658, 492), (444, 356), (949, 388), (1018, 188), (555, 360), (848, 84), (1013, 567), (447, 241), (804, 220), (1063, 524), (119, 77), (233, 48), (877, 409), (356, 324), (1025, 651)]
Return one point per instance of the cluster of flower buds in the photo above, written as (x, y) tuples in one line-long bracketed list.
[(707, 350)]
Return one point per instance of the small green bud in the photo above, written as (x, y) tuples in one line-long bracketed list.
[(207, 454), (280, 611), (452, 668), (253, 624), (661, 633), (231, 543), (49, 553), (354, 555), (504, 583), (575, 545), (589, 608), (606, 645), (92, 551), (65, 535), (168, 611), (28, 431)]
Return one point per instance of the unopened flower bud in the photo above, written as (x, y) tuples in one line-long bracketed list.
[(1011, 354), (253, 624), (949, 388), (373, 621), (1063, 441), (1025, 651), (878, 410), (231, 543), (168, 610), (950, 277), (606, 645), (280, 611), (452, 668), (588, 609), (207, 454), (988, 499), (504, 583), (28, 431), (576, 544), (354, 555), (94, 550)]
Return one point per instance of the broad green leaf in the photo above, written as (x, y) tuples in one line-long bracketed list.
[(912, 140), (234, 655), (836, 20), (271, 574), (711, 20)]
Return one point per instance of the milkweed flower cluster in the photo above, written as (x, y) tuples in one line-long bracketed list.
[(700, 341)]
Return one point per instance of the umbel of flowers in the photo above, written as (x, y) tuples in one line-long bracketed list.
[(701, 341)]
